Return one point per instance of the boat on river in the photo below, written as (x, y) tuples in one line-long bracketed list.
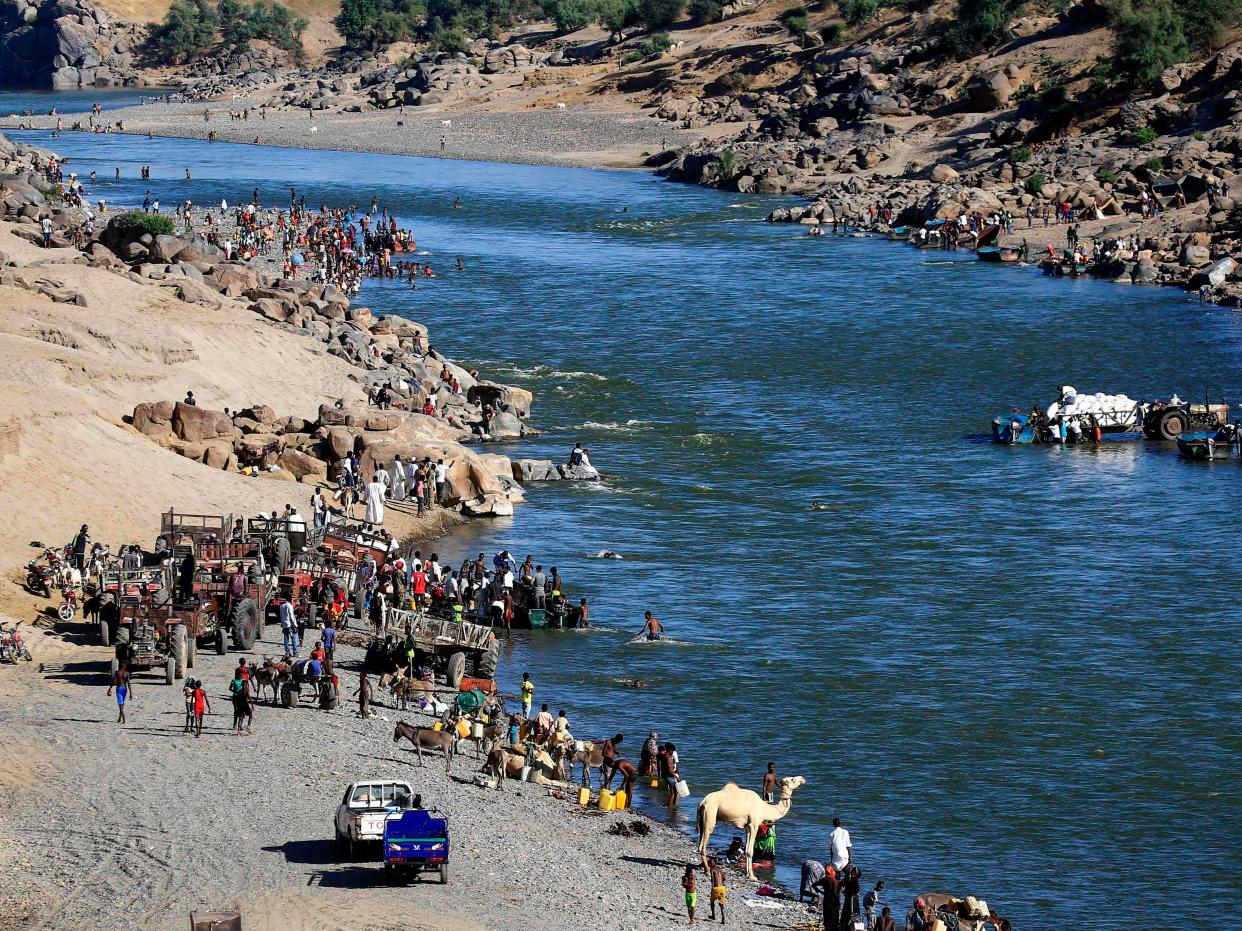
[(1003, 255), (1209, 445)]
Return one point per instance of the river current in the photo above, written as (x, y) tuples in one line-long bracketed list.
[(1012, 672)]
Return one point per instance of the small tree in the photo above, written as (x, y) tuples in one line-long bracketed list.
[(705, 11), (659, 14), (855, 12), (571, 15), (616, 16), (450, 40), (1148, 37), (188, 30), (1035, 184), (797, 21), (356, 22)]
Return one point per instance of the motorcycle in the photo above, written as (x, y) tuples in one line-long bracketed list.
[(70, 607), (39, 579), (12, 647)]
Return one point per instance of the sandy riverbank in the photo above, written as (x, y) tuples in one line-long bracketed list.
[(132, 827), (578, 136)]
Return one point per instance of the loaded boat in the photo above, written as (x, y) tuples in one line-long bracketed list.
[(1207, 445), (1075, 414)]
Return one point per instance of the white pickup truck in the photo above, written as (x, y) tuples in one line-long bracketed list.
[(366, 806)]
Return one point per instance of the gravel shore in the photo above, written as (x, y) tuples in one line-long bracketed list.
[(577, 136), (132, 827)]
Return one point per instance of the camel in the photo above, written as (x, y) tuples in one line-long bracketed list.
[(743, 809)]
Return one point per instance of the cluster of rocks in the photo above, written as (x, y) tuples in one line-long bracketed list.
[(297, 449), (359, 84), (66, 43)]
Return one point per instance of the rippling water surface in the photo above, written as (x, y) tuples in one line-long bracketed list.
[(1010, 671)]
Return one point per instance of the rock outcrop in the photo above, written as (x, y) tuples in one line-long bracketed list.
[(66, 43)]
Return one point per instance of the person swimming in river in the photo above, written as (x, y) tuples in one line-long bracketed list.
[(818, 506), (652, 628)]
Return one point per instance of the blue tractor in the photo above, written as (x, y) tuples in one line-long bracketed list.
[(416, 842)]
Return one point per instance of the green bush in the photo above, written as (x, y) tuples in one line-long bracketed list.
[(1145, 135), (616, 16), (830, 34), (656, 44), (1155, 164), (1020, 154), (705, 11), (571, 15), (1199, 135), (726, 164), (1035, 184), (796, 20), (858, 11), (659, 14), (188, 30), (134, 223), (451, 41), (1106, 176), (1148, 36), (980, 23)]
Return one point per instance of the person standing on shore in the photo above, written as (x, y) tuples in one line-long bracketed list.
[(830, 899), (769, 784), (289, 628), (201, 706), (885, 922), (528, 694), (812, 873), (839, 845), (849, 896), (688, 883), (720, 891), (120, 682), (871, 901), (364, 695)]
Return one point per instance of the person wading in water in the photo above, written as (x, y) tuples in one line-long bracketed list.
[(652, 628)]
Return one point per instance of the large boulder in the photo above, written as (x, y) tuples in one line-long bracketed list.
[(300, 464), (338, 444), (535, 470), (990, 91), (1215, 274), (196, 424), (943, 174), (166, 248), (154, 418), (505, 426)]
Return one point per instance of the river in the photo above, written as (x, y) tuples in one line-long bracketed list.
[(1010, 671)]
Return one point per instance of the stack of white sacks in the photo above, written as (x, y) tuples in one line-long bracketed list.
[(1108, 409)]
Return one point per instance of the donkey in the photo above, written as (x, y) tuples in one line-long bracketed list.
[(424, 738)]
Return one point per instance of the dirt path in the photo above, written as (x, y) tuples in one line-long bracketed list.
[(120, 828)]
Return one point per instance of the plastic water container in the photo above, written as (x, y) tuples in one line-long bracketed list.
[(683, 788), (655, 783), (584, 796), (607, 801), (525, 774), (619, 801), (439, 726), (463, 729)]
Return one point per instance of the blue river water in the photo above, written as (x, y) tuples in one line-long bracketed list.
[(40, 100), (1012, 672)]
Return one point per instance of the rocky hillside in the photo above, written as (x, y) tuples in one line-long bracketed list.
[(66, 43)]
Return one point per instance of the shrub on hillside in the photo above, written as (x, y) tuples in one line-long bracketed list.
[(797, 21), (1020, 154), (659, 14), (188, 30), (1148, 36), (1145, 135), (1035, 184), (134, 223), (705, 11), (858, 11), (616, 16), (571, 15), (980, 23)]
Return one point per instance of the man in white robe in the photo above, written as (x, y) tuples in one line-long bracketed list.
[(375, 501)]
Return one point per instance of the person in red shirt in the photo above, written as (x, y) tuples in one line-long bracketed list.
[(318, 652)]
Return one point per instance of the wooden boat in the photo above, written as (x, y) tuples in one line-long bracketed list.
[(1209, 445), (899, 232), (1010, 429), (998, 254)]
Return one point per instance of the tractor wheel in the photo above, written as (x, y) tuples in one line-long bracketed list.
[(443, 873), (105, 634), (485, 662), (1172, 424), (456, 669), (245, 623), (179, 650), (170, 669), (191, 652), (122, 635), (222, 641), (288, 697)]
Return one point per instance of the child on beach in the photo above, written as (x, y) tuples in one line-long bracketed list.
[(201, 706), (688, 882), (719, 891)]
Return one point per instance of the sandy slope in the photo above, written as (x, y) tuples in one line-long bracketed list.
[(68, 374)]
